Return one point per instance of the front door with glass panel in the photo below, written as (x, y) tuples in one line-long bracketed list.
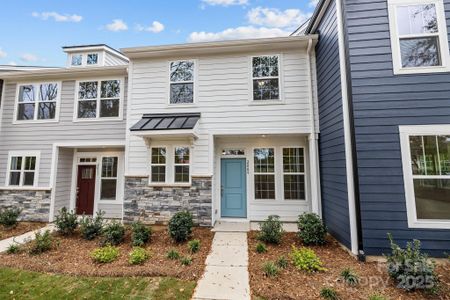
[(233, 188), (85, 190)]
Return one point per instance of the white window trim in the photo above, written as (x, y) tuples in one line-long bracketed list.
[(170, 166), (36, 102), (195, 84), (283, 173), (280, 81), (274, 173), (12, 154), (182, 164), (100, 175), (100, 58), (405, 133), (71, 57), (98, 118), (395, 41), (159, 164)]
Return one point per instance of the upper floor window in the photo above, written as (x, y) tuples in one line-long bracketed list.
[(92, 59), (99, 99), (22, 169), (37, 101), (182, 75), (266, 78), (418, 36), (77, 60)]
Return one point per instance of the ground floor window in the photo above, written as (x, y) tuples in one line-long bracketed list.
[(22, 169), (293, 174), (170, 164), (264, 172), (108, 180)]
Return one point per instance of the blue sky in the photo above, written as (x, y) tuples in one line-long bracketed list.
[(33, 31)]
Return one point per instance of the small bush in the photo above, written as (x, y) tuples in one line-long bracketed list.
[(138, 256), (329, 294), (350, 277), (42, 243), (13, 249), (113, 234), (271, 230), (410, 267), (270, 269), (282, 262), (90, 227), (140, 234), (377, 297), (173, 254), (261, 248), (66, 221), (312, 231), (306, 259), (180, 226), (105, 254), (194, 246), (186, 260), (9, 217)]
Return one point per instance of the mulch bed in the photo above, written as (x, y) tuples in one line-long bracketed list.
[(292, 283), (72, 256), (21, 228)]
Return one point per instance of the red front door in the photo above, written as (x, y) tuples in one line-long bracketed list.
[(85, 190)]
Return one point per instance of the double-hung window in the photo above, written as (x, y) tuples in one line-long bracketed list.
[(182, 75), (99, 99), (293, 174), (108, 180), (158, 165), (266, 77), (181, 164), (22, 169), (37, 101), (418, 36), (264, 173)]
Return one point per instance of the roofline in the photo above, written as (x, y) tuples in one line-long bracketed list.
[(317, 15), (64, 73), (12, 67), (69, 49), (171, 115), (220, 46)]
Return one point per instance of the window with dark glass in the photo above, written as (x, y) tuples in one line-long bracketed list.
[(99, 99), (92, 59), (265, 74), (264, 173), (182, 82), (22, 170), (108, 179), (181, 164), (158, 164), (37, 101), (293, 174)]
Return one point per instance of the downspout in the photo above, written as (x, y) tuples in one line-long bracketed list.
[(313, 140)]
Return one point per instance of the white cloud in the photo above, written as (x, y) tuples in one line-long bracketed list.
[(243, 32), (57, 17), (156, 27), (313, 3), (117, 25), (28, 57), (272, 17), (12, 63), (225, 2), (3, 54)]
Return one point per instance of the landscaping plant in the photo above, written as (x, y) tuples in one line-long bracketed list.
[(186, 260), (328, 293), (271, 230), (270, 269), (9, 217), (42, 243), (306, 259), (282, 262), (13, 249), (180, 226), (91, 227), (261, 248), (410, 268), (377, 297), (105, 254), (173, 254), (140, 234), (138, 256), (66, 221), (194, 246), (312, 231), (113, 234), (350, 277)]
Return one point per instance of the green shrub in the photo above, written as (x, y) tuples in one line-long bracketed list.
[(410, 268), (377, 297), (9, 217), (180, 226), (13, 249), (105, 254), (271, 230), (66, 221), (194, 246), (270, 269), (90, 227), (312, 231), (306, 259), (329, 294), (186, 260), (261, 248), (140, 234), (350, 277), (113, 234), (42, 243), (282, 262), (138, 256), (173, 254)]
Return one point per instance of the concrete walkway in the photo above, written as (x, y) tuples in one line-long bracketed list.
[(226, 273), (24, 238)]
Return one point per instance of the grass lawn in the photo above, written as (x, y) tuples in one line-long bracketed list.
[(18, 284)]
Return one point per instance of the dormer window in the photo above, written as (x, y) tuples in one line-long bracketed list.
[(77, 60), (92, 59)]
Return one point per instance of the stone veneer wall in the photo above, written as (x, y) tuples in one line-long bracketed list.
[(156, 205), (35, 204)]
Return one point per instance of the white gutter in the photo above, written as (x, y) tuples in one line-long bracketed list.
[(347, 132)]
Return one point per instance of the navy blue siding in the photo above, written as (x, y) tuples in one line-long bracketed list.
[(331, 143), (381, 103)]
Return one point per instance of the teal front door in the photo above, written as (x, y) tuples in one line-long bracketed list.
[(233, 188)]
